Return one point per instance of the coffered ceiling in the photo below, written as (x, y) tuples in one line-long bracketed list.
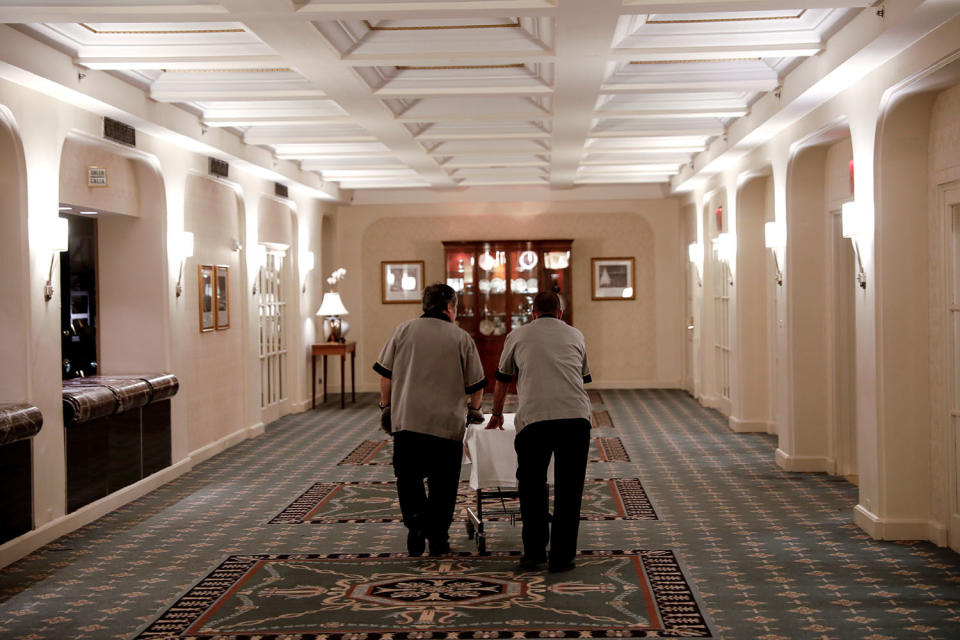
[(452, 93)]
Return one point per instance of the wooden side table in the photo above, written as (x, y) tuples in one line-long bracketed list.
[(333, 349)]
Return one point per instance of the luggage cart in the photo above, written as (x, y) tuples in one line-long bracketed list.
[(474, 519), (493, 476)]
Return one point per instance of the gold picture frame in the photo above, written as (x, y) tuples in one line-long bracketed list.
[(612, 279), (401, 281), (222, 297), (207, 280)]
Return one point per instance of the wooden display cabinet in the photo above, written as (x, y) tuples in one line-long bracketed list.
[(496, 282)]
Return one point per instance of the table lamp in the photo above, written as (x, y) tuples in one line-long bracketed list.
[(332, 308)]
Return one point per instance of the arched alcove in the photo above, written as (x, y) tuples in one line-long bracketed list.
[(14, 314), (818, 182), (213, 213), (753, 383), (131, 256), (916, 243)]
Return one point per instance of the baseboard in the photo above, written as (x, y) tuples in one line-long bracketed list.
[(19, 547), (899, 528), (806, 464), (748, 426), (716, 403), (635, 384), (300, 407), (208, 451), (256, 430)]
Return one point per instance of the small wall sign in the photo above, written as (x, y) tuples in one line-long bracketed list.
[(96, 176)]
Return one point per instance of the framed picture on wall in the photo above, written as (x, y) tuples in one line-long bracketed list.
[(401, 282), (223, 297), (612, 278), (207, 313)]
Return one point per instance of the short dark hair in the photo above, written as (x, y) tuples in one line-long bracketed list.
[(437, 297), (547, 303)]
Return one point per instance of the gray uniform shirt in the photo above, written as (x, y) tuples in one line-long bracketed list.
[(432, 364), (549, 358)]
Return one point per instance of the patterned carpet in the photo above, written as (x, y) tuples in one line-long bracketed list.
[(376, 502), (767, 554), (338, 596), (380, 452)]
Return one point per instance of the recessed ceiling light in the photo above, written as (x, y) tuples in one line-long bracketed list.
[(88, 213), (66, 208)]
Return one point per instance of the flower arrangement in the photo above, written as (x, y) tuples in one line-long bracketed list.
[(335, 278)]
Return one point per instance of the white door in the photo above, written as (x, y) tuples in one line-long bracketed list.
[(952, 215)]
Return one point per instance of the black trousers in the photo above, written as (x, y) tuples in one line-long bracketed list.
[(418, 457), (568, 441)]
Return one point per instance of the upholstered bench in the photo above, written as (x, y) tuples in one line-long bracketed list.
[(117, 432), (18, 424)]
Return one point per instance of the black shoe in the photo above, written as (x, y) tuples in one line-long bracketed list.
[(416, 543), (439, 549), (560, 567), (530, 564)]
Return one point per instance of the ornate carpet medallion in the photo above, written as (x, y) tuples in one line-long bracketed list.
[(380, 452), (389, 596), (376, 501)]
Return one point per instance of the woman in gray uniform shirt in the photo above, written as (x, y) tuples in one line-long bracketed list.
[(427, 367)]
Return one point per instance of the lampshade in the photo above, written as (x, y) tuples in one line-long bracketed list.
[(694, 252), (186, 244), (775, 235), (59, 234), (727, 247), (332, 305), (850, 220)]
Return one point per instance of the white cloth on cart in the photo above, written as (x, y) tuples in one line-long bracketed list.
[(493, 456)]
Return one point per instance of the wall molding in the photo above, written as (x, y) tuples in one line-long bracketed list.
[(738, 425), (29, 542), (807, 464), (899, 528)]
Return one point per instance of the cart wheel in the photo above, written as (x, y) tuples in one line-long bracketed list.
[(481, 543), (471, 528)]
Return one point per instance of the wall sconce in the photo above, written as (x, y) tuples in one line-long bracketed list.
[(307, 262), (695, 253), (260, 261), (852, 227), (186, 251), (58, 241), (726, 246), (775, 239)]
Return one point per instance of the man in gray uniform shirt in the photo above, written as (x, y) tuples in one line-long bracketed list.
[(549, 359), (427, 367)]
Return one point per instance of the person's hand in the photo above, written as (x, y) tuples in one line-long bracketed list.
[(496, 422), (474, 416), (385, 420)]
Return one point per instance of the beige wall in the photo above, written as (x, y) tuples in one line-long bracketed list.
[(629, 343), (214, 410)]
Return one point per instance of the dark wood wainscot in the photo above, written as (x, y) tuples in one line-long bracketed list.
[(496, 281), (18, 424), (117, 432)]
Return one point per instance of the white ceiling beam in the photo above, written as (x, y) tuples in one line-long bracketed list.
[(678, 112), (111, 63), (710, 6), (254, 136), (274, 121), (716, 52), (214, 93), (305, 49), (448, 58), (585, 31)]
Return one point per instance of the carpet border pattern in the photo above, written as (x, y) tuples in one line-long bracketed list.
[(633, 503), (679, 612)]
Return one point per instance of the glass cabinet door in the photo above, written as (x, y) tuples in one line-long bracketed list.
[(557, 276), (492, 285), (525, 279), (460, 266)]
